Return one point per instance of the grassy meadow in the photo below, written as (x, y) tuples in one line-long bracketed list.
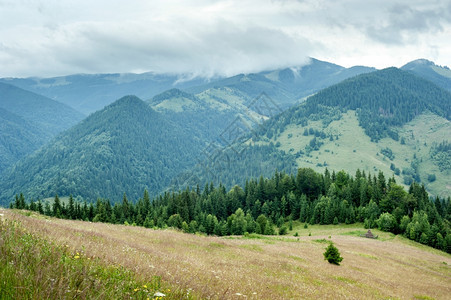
[(114, 260), (354, 150)]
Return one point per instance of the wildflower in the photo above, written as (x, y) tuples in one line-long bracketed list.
[(76, 257), (136, 290), (145, 286)]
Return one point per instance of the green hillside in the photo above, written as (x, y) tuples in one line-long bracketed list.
[(388, 120), (285, 86), (27, 121), (351, 149), (51, 116), (125, 147), (17, 138), (430, 71)]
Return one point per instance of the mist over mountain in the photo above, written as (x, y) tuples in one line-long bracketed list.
[(88, 93)]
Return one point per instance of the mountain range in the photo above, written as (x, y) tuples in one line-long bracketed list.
[(89, 93), (320, 115)]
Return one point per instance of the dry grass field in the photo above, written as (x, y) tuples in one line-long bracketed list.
[(260, 267)]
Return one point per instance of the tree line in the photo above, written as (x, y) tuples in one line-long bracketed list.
[(269, 205)]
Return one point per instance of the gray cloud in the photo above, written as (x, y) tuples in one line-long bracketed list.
[(207, 37), (404, 23)]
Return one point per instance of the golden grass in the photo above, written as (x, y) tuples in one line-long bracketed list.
[(235, 268)]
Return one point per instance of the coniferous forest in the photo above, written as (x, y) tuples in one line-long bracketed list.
[(269, 206)]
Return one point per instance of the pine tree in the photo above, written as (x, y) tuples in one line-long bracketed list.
[(332, 255), (56, 211)]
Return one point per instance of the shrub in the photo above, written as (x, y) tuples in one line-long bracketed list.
[(332, 255), (283, 230), (386, 222)]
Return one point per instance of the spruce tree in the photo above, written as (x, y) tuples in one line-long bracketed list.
[(332, 255)]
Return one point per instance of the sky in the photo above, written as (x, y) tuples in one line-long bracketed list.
[(216, 38)]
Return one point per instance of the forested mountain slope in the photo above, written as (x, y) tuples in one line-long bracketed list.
[(388, 120), (125, 147), (49, 115), (430, 71), (17, 138), (27, 121)]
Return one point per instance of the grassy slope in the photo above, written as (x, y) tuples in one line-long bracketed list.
[(261, 268), (354, 150), (35, 267)]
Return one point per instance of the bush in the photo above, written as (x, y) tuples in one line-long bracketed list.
[(332, 255), (386, 222), (283, 230)]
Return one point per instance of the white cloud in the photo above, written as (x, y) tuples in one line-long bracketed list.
[(45, 38)]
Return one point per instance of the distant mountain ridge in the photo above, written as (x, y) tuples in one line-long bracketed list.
[(49, 114), (285, 86), (18, 138), (89, 93), (430, 71), (29, 121)]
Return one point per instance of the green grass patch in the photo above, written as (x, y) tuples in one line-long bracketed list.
[(265, 238), (344, 279), (253, 247), (34, 268), (366, 255), (322, 241), (297, 258), (216, 245), (354, 232), (423, 297)]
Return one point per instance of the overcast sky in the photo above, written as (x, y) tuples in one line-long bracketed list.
[(207, 37)]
